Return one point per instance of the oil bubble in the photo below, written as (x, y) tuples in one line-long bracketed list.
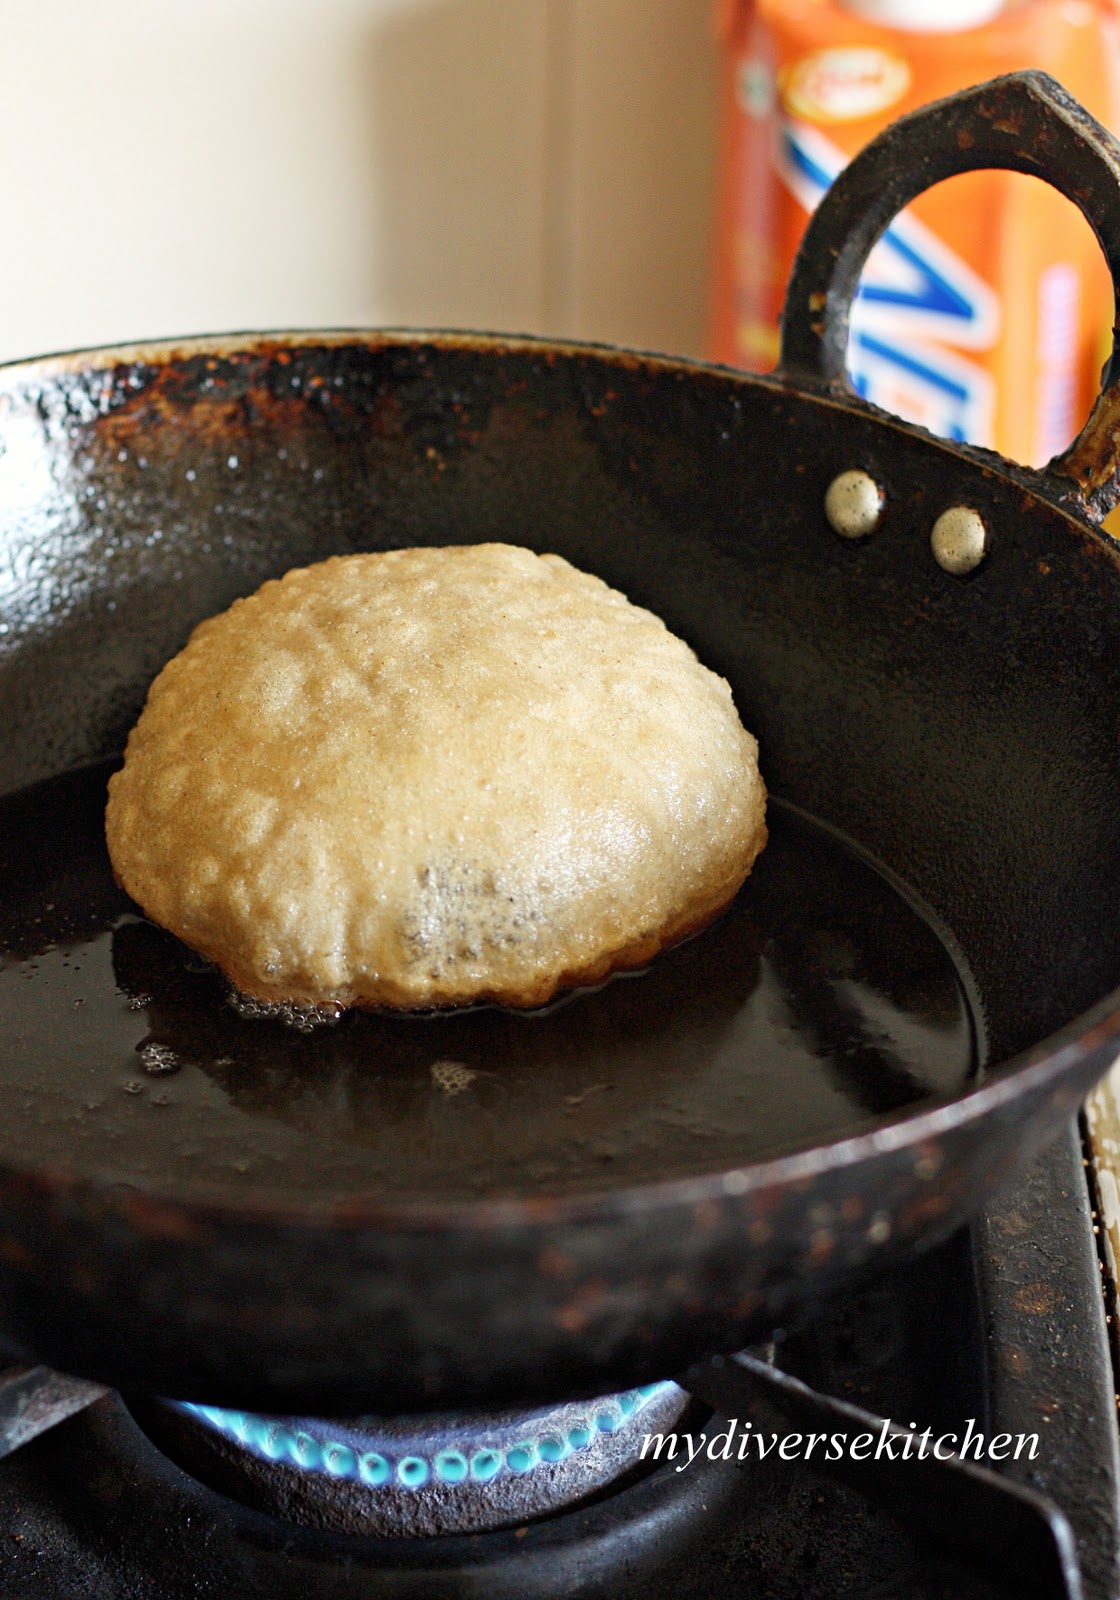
[(452, 1077), (303, 1019), (159, 1060)]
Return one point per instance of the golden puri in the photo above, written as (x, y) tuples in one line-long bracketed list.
[(432, 777)]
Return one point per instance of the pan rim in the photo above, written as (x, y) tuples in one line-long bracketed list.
[(243, 341)]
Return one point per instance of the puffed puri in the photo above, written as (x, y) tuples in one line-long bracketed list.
[(434, 777)]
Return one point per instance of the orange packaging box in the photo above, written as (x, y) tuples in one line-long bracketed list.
[(982, 311)]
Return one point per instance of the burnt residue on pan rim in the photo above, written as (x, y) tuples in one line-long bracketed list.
[(114, 361)]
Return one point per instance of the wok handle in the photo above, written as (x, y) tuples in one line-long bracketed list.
[(1025, 122)]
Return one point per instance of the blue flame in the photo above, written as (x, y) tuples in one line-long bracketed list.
[(345, 1450)]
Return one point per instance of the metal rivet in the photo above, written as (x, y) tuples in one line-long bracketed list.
[(959, 540), (853, 504)]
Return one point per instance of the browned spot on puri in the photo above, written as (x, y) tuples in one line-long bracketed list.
[(1037, 1299)]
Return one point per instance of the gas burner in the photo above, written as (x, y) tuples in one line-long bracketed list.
[(414, 1476), (95, 1505)]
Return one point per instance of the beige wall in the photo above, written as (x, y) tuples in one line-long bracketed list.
[(179, 166)]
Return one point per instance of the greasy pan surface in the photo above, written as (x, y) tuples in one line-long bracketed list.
[(966, 733)]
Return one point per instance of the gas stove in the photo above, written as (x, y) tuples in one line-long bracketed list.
[(1003, 1324)]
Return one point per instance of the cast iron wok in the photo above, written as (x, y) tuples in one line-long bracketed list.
[(965, 731)]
